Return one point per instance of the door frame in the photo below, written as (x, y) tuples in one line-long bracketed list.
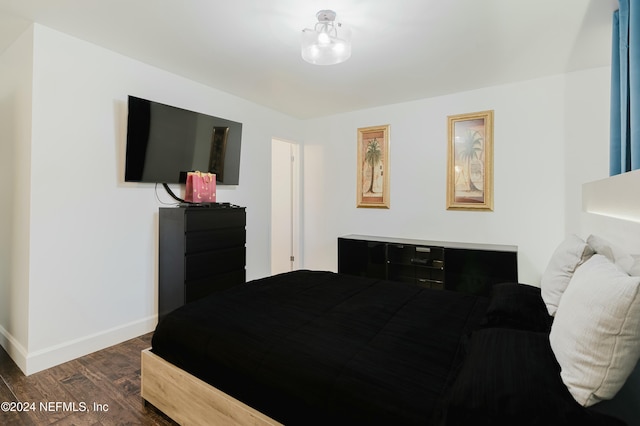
[(295, 197)]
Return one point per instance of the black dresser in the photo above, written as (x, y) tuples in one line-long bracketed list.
[(202, 250), (471, 268)]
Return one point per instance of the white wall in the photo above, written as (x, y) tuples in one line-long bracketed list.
[(535, 140), (16, 67), (92, 266)]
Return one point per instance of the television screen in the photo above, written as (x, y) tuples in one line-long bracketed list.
[(166, 142)]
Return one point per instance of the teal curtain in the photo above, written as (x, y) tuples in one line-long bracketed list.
[(625, 89)]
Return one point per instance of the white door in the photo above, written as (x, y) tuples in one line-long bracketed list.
[(284, 206)]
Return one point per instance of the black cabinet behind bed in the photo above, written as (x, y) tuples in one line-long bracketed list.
[(471, 268), (202, 250)]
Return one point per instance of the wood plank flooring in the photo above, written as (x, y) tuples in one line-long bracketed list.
[(102, 388)]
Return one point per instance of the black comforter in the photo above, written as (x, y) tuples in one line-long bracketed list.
[(312, 347)]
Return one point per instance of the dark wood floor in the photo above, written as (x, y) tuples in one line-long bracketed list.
[(102, 388)]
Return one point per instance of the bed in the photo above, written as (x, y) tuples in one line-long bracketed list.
[(316, 347)]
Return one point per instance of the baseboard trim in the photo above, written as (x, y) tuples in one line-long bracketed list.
[(33, 362), (14, 349)]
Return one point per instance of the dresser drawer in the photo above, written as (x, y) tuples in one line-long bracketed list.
[(196, 289), (214, 239), (208, 263), (201, 219)]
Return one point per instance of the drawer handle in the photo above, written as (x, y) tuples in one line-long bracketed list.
[(423, 249), (433, 282), (419, 261)]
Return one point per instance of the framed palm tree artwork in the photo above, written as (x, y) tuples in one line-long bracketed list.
[(470, 161), (373, 167)]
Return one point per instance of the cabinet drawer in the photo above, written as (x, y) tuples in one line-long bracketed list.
[(415, 255), (433, 280), (208, 263), (428, 256), (214, 239), (437, 285), (206, 218), (199, 288)]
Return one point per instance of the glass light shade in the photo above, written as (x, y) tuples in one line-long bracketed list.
[(328, 43)]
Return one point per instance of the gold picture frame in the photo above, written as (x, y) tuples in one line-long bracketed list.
[(470, 161), (373, 167)]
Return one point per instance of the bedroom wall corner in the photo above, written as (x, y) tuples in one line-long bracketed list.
[(16, 70)]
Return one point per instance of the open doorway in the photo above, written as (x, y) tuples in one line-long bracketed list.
[(284, 206)]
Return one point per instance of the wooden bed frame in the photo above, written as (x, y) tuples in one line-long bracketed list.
[(189, 400)]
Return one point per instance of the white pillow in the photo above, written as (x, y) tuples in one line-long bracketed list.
[(573, 251), (595, 335), (630, 264)]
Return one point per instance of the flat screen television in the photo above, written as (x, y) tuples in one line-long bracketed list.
[(165, 142)]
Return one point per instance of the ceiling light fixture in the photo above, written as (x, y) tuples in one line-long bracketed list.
[(328, 43)]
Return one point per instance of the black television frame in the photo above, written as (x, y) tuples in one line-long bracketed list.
[(165, 142)]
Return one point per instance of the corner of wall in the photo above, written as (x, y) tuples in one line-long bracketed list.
[(14, 349), (16, 92)]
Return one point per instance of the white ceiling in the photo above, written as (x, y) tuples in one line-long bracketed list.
[(402, 50)]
